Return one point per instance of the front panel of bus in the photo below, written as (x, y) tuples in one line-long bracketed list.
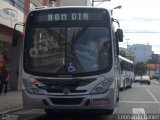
[(67, 59)]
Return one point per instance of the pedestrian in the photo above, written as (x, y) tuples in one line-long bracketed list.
[(4, 76)]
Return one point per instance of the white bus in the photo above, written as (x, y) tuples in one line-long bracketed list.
[(70, 60), (126, 72)]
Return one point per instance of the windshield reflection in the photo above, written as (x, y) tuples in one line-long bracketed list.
[(69, 50)]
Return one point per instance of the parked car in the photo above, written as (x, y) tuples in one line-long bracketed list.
[(137, 79), (156, 77), (145, 79)]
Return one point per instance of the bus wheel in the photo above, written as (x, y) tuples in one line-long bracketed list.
[(124, 85), (49, 112), (130, 86), (118, 95), (109, 111), (52, 112)]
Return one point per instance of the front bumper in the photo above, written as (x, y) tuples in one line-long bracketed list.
[(145, 81), (79, 102)]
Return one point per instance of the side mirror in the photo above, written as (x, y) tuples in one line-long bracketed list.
[(16, 35), (119, 35)]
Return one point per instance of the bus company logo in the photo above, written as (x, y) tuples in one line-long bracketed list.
[(66, 91), (9, 14)]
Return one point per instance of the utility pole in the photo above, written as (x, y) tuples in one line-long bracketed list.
[(127, 41)]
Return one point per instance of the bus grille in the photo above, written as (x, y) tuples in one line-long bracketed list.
[(66, 101), (61, 90)]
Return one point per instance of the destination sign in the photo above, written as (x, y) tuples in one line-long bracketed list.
[(69, 15)]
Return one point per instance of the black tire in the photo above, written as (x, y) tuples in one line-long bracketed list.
[(124, 85), (130, 86), (56, 113), (103, 112), (121, 89), (110, 112), (49, 112), (118, 95)]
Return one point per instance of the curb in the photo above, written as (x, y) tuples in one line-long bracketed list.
[(12, 110)]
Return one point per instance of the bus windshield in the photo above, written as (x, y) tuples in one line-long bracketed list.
[(67, 49)]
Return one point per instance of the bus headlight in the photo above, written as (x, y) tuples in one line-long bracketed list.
[(31, 87), (102, 87)]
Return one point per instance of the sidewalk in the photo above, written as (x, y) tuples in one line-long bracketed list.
[(11, 101)]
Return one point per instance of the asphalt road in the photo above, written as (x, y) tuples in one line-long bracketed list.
[(140, 99)]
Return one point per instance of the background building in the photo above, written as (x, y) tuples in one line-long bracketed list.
[(156, 57), (141, 52), (75, 2), (11, 12)]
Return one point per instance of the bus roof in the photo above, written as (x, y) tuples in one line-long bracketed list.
[(65, 7)]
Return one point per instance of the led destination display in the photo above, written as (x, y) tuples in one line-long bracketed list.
[(75, 15), (65, 17)]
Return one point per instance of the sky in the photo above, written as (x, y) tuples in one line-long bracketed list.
[(140, 21)]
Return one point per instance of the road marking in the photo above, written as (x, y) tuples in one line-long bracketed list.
[(137, 101), (139, 111), (12, 110), (152, 95), (115, 110)]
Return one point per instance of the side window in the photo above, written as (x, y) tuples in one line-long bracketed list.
[(122, 65), (132, 68), (17, 3), (126, 66), (20, 5), (129, 67)]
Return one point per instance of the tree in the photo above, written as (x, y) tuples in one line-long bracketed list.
[(122, 53), (152, 61), (140, 68)]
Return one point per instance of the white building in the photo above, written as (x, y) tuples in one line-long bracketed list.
[(75, 2), (141, 52)]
